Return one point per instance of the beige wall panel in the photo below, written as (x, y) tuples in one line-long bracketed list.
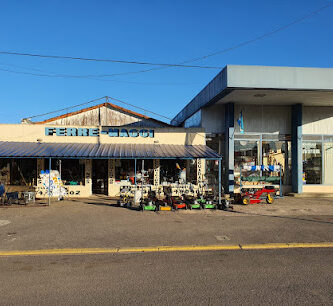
[(317, 120), (319, 188), (32, 133)]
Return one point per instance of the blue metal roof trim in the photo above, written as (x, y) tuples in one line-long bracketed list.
[(211, 90), (89, 150)]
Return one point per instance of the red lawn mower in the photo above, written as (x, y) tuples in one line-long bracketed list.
[(176, 202), (261, 174), (259, 195)]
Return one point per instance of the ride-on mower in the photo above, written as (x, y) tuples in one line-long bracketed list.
[(256, 196)]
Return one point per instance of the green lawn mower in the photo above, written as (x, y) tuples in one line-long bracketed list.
[(207, 201), (191, 202), (149, 203)]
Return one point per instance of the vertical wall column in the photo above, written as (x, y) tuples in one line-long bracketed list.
[(199, 171), (296, 148), (88, 174), (229, 177), (40, 167), (111, 176), (156, 165)]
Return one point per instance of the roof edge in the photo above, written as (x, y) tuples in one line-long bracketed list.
[(105, 104)]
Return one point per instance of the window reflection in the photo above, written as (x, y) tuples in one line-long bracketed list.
[(246, 154), (278, 153), (312, 163)]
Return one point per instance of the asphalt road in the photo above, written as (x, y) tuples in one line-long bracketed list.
[(261, 277), (251, 277)]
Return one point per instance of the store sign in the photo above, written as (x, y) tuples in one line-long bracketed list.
[(94, 132), (129, 133)]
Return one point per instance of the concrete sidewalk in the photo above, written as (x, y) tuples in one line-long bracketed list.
[(97, 223)]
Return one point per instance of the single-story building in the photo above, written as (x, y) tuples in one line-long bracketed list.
[(259, 115), (102, 150)]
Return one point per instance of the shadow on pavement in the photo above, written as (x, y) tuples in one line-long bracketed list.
[(281, 217)]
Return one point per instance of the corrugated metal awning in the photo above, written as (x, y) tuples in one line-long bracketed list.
[(92, 150)]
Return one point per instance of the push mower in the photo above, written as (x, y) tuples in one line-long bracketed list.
[(125, 198), (149, 203), (176, 202), (162, 205), (256, 196), (191, 202), (226, 205), (207, 202)]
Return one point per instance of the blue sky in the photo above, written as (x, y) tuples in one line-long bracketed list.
[(154, 31)]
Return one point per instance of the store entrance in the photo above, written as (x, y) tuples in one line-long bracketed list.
[(100, 176)]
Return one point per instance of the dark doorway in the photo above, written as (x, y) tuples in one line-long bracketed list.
[(100, 176)]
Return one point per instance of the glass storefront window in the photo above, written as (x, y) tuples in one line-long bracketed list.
[(176, 170), (72, 170), (250, 153), (312, 163), (328, 163), (148, 171), (23, 172), (212, 174), (125, 171), (278, 153), (246, 154)]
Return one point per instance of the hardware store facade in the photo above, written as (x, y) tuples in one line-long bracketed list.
[(102, 159), (258, 115)]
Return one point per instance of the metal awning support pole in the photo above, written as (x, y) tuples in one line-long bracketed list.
[(135, 190), (142, 171), (220, 183), (49, 202), (60, 167), (135, 173)]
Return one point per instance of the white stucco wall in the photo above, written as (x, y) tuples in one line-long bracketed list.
[(264, 119), (317, 120)]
